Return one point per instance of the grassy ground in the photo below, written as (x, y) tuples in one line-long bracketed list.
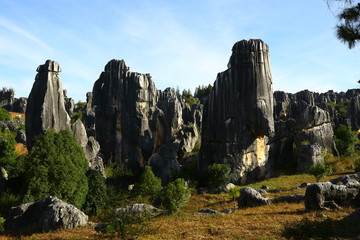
[(265, 222)]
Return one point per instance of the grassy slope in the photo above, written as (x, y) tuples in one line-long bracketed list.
[(265, 222)]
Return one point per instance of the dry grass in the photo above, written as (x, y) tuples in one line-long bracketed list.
[(265, 222), (15, 115)]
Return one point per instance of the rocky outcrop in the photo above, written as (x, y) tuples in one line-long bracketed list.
[(90, 146), (170, 104), (251, 197), (140, 209), (325, 195), (238, 116), (303, 132), (137, 125), (127, 124), (43, 216), (45, 108), (10, 103)]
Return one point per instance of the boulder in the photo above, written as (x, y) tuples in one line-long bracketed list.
[(250, 197), (46, 108), (164, 164), (310, 154), (323, 195), (43, 216), (140, 209), (20, 136), (238, 116)]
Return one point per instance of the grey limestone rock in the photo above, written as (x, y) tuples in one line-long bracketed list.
[(43, 216), (45, 108), (127, 126), (165, 163), (140, 209), (250, 197), (238, 116), (323, 195)]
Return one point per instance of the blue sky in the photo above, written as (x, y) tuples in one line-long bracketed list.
[(180, 43)]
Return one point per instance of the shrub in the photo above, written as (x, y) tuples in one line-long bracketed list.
[(234, 192), (4, 115), (345, 140), (8, 154), (96, 198), (148, 185), (56, 166), (75, 117), (126, 225), (175, 195), (7, 201), (218, 175), (2, 221), (319, 170)]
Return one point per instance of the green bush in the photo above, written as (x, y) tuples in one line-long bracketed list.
[(96, 198), (345, 140), (56, 166), (175, 195), (149, 185), (2, 221), (75, 117), (7, 151), (7, 201), (319, 170), (4, 115), (218, 175), (126, 225)]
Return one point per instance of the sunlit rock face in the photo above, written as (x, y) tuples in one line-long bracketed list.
[(45, 107), (238, 116)]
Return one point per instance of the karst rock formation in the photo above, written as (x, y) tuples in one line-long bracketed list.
[(238, 116), (45, 108)]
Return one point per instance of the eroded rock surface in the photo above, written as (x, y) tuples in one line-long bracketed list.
[(238, 116), (43, 216), (46, 108)]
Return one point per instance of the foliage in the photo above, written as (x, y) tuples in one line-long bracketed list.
[(80, 104), (319, 170), (96, 198), (126, 225), (8, 154), (148, 185), (218, 175), (189, 171), (56, 166), (348, 31), (75, 117), (341, 106), (345, 140), (7, 201), (4, 115), (2, 221), (203, 91), (117, 171), (234, 192), (188, 97), (175, 195), (339, 164)]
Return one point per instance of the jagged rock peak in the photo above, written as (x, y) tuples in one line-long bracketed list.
[(49, 66), (115, 64), (248, 51)]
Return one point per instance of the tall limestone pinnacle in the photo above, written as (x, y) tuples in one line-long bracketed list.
[(45, 108), (238, 117)]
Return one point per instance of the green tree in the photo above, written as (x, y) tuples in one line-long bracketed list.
[(345, 140), (348, 29), (175, 195), (96, 198), (149, 185), (203, 91), (218, 175), (7, 151), (4, 115), (319, 170), (56, 166)]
